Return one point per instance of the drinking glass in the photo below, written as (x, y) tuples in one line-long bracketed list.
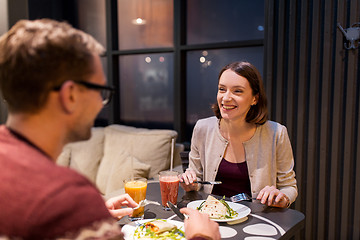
[(136, 188), (169, 187)]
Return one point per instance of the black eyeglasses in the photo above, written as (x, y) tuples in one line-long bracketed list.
[(105, 91)]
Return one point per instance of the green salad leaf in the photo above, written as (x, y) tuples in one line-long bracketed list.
[(142, 232), (230, 213)]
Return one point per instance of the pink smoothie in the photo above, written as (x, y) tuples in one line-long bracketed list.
[(169, 186)]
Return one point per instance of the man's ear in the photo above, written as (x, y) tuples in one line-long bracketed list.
[(67, 96)]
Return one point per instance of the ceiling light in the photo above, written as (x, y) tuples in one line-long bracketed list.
[(138, 21)]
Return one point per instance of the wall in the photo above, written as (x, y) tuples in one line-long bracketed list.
[(313, 85), (4, 25)]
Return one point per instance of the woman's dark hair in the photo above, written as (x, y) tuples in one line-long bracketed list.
[(258, 113)]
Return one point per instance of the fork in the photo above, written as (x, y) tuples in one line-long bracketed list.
[(145, 202), (240, 197)]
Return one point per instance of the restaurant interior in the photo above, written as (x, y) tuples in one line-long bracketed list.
[(164, 56)]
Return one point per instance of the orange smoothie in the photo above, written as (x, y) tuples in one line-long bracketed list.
[(137, 190)]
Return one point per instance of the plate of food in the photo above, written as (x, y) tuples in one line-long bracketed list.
[(220, 210), (154, 229)]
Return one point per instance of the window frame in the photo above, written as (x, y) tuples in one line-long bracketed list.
[(179, 51)]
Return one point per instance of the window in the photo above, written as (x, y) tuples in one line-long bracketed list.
[(212, 21), (91, 18), (164, 56), (146, 89), (145, 24)]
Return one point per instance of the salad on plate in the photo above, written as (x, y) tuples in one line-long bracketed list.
[(159, 229), (217, 209), (221, 210)]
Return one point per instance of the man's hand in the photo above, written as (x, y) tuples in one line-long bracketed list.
[(272, 196), (199, 224), (121, 206)]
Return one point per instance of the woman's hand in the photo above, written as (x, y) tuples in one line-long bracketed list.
[(121, 205), (187, 181), (200, 225), (272, 196)]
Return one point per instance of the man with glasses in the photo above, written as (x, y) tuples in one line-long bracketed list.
[(53, 83), (106, 91)]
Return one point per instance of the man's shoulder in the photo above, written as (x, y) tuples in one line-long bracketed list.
[(79, 210), (51, 199), (101, 229), (60, 201)]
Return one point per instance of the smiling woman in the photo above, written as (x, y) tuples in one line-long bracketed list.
[(240, 147)]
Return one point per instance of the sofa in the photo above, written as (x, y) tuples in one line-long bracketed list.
[(116, 152)]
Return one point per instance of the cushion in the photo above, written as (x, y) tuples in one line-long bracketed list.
[(179, 147), (149, 146), (64, 157), (86, 155), (115, 168)]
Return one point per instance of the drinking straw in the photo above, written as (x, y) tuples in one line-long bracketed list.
[(132, 159), (172, 154), (132, 167)]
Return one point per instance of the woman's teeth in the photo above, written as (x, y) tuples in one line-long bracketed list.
[(228, 107)]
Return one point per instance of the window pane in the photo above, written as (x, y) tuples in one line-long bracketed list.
[(103, 118), (210, 21), (146, 88), (92, 18), (203, 69), (145, 23)]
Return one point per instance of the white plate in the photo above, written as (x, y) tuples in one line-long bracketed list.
[(242, 210), (129, 228)]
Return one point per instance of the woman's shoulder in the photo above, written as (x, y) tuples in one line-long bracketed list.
[(206, 126), (273, 124), (272, 127), (207, 122)]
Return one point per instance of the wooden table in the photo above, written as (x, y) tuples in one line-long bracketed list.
[(283, 223)]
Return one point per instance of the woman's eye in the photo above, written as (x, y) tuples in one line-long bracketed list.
[(238, 91), (221, 89)]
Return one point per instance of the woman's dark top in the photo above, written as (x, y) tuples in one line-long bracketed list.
[(234, 178)]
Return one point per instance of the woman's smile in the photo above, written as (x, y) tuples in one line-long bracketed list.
[(228, 107)]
